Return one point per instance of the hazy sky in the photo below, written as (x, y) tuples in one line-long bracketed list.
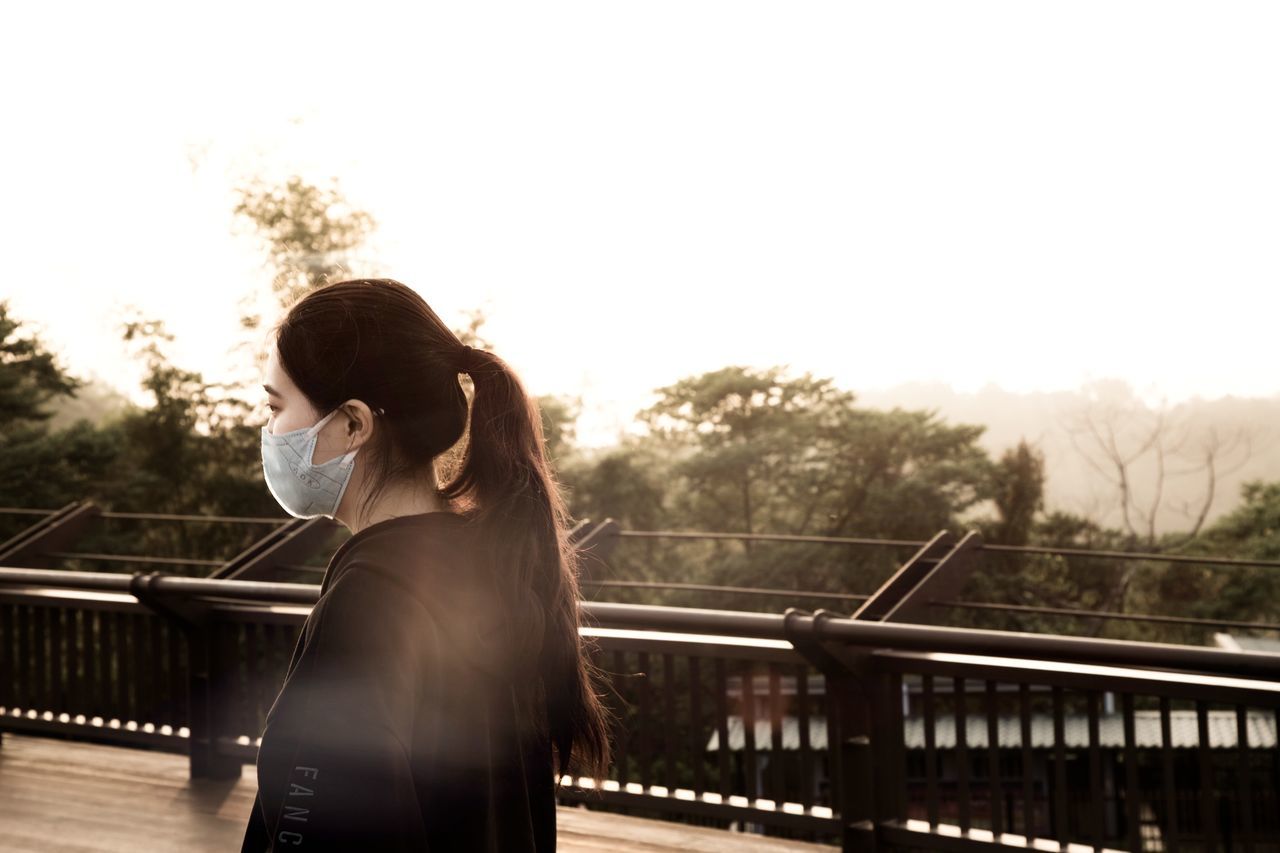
[(1027, 194)]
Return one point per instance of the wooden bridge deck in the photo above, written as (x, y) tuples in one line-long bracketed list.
[(60, 795)]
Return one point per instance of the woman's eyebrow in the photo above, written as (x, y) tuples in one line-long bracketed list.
[(273, 392)]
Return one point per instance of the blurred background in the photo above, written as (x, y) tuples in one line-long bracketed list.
[(818, 269)]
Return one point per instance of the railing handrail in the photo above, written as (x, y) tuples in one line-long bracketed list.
[(159, 516), (1049, 550), (931, 638), (819, 626)]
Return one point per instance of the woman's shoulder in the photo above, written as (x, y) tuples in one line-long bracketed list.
[(368, 594), (428, 550)]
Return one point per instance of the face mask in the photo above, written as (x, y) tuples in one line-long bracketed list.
[(303, 489)]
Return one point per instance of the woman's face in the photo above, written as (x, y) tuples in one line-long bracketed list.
[(287, 407)]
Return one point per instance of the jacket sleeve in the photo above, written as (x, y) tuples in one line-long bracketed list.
[(338, 773)]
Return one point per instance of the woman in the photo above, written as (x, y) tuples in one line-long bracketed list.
[(439, 687)]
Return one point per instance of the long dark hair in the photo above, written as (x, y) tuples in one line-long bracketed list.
[(378, 341)]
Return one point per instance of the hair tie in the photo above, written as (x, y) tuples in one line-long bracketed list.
[(467, 358)]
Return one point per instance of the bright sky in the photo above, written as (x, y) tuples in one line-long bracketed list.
[(1027, 194)]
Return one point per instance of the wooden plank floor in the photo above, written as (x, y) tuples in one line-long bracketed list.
[(62, 796)]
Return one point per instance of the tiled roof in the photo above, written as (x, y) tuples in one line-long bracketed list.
[(1183, 729)]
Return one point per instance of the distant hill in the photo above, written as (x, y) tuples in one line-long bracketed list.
[(1047, 419)]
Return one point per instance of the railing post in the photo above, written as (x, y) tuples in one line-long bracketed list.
[(208, 684), (209, 689), (857, 787)]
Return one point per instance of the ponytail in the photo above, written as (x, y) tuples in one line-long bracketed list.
[(504, 477)]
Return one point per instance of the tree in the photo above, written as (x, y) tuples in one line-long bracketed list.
[(1137, 451), (1250, 531), (30, 377), (309, 232), (754, 451), (1018, 493)]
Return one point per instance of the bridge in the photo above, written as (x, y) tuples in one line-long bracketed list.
[(862, 729)]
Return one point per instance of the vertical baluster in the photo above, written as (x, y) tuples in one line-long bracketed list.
[(722, 728), (58, 633), (962, 757), (164, 711), (142, 667), (146, 667), (77, 684), (777, 778), (77, 662), (98, 682), (29, 696), (8, 638), (137, 667), (102, 664), (124, 684), (1166, 770), (1208, 785), (833, 694), (1060, 819), (1244, 784), (30, 659), (132, 681), (1097, 828), (749, 730), (889, 741), (156, 663), (620, 736), (807, 781), (42, 693), (930, 751), (697, 742), (995, 793), (669, 719), (180, 673), (22, 657), (644, 685), (1132, 805), (1028, 762), (118, 695)]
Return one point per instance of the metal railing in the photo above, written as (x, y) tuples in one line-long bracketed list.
[(813, 724), (291, 540)]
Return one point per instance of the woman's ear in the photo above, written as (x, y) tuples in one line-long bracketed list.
[(357, 419)]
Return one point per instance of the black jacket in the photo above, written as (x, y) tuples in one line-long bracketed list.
[(396, 728)]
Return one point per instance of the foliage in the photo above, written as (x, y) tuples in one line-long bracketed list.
[(29, 375), (755, 452), (308, 231)]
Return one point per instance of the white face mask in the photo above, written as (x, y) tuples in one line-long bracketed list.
[(303, 489)]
